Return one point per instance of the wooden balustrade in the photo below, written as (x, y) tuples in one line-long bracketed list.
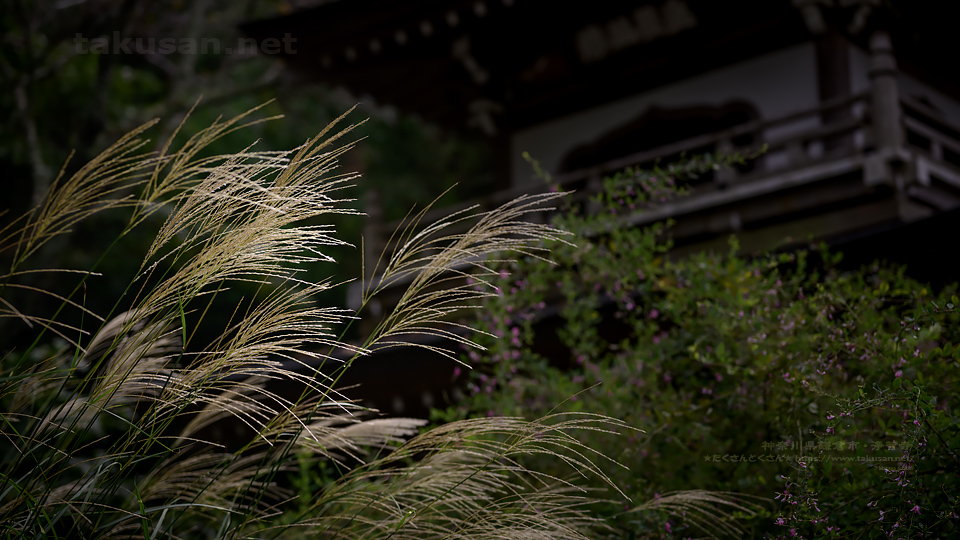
[(795, 156), (587, 181)]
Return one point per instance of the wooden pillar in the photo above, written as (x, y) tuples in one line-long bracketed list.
[(833, 81)]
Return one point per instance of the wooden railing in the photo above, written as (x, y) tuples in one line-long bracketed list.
[(935, 143), (800, 149), (795, 147)]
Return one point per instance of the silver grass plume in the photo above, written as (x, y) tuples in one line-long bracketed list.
[(116, 445)]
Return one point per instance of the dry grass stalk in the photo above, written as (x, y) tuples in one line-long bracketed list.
[(110, 438)]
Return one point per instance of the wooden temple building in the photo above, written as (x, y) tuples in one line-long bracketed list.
[(853, 99)]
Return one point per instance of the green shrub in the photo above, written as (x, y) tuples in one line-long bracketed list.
[(777, 376), (110, 420)]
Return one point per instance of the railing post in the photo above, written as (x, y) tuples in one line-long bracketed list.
[(936, 150), (724, 176), (797, 153), (891, 162), (884, 93)]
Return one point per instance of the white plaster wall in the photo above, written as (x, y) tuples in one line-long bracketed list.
[(776, 84)]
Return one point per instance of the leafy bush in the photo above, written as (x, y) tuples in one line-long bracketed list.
[(119, 424), (775, 375)]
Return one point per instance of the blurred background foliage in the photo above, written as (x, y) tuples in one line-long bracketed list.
[(66, 105)]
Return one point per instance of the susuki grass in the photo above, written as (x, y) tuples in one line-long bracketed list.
[(112, 422), (109, 419)]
